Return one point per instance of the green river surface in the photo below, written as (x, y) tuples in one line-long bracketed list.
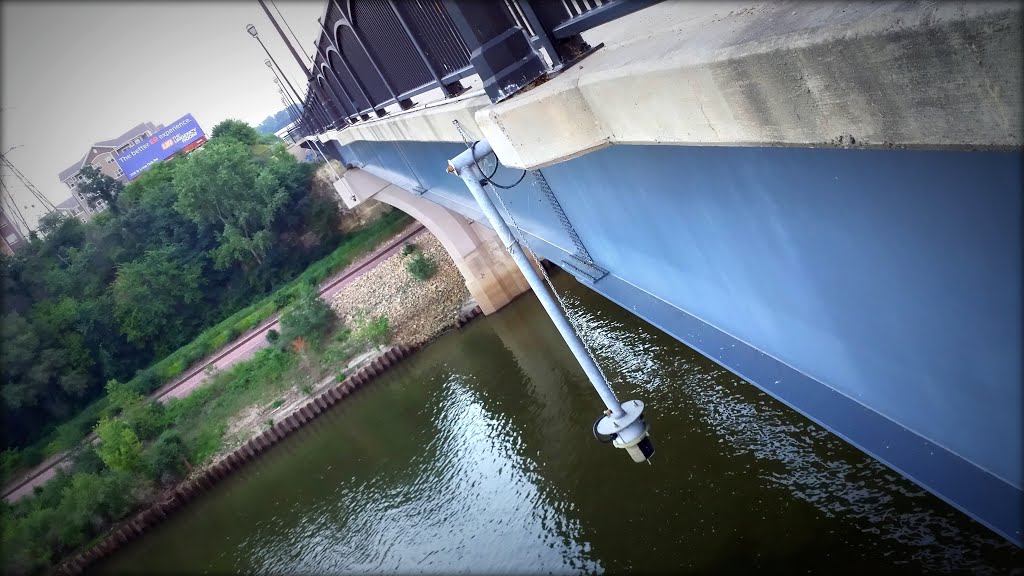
[(476, 456)]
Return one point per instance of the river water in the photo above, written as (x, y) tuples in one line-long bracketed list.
[(476, 455)]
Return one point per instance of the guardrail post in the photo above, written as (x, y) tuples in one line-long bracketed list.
[(499, 50), (544, 16)]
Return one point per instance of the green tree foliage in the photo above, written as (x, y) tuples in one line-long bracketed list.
[(97, 187), (165, 459), (227, 188), (278, 120), (120, 449), (235, 130), (66, 513), (143, 307), (308, 318), (185, 245)]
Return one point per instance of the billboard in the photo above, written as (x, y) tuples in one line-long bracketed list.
[(183, 134)]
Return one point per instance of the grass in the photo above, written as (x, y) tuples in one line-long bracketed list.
[(202, 418), (78, 507), (14, 462)]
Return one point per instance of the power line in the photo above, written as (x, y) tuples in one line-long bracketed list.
[(13, 206), (297, 43), (28, 184)]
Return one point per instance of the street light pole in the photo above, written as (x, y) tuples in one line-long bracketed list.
[(252, 32), (313, 140), (277, 79)]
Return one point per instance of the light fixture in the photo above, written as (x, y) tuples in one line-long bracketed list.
[(251, 30)]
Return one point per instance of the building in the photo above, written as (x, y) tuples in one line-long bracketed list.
[(73, 208), (102, 155), (13, 239)]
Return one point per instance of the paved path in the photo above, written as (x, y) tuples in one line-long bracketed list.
[(243, 348)]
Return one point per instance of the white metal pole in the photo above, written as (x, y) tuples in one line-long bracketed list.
[(465, 166)]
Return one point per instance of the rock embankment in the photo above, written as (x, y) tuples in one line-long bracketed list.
[(416, 310)]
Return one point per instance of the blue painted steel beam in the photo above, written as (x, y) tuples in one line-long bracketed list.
[(879, 291)]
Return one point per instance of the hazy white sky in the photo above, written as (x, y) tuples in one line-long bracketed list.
[(74, 73)]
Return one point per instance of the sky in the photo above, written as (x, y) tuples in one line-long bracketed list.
[(74, 73)]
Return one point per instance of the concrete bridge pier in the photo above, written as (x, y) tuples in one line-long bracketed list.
[(490, 273)]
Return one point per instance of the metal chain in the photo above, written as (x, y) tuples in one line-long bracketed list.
[(533, 256), (408, 165), (541, 183)]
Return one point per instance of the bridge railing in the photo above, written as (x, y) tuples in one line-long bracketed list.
[(375, 53)]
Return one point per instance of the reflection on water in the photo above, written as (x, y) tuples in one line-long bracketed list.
[(476, 456), (793, 453)]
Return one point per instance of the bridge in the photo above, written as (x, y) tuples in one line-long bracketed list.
[(824, 198)]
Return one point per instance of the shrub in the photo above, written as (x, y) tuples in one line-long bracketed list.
[(282, 297), (307, 389), (120, 397), (421, 267), (119, 447), (165, 459), (174, 368), (85, 460), (11, 461), (307, 318), (66, 436), (194, 353), (408, 248), (147, 419), (339, 377), (146, 381), (269, 422), (374, 331), (276, 404), (273, 335)]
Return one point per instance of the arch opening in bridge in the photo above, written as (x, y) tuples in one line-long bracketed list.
[(491, 276)]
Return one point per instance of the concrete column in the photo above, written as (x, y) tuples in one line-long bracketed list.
[(491, 275)]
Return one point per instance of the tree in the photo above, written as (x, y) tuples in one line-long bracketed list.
[(236, 130), (120, 449), (165, 459), (151, 293), (87, 302), (279, 120), (224, 186), (97, 186), (307, 318), (50, 222), (120, 397)]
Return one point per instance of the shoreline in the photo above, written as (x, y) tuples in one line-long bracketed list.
[(50, 466), (191, 489)]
